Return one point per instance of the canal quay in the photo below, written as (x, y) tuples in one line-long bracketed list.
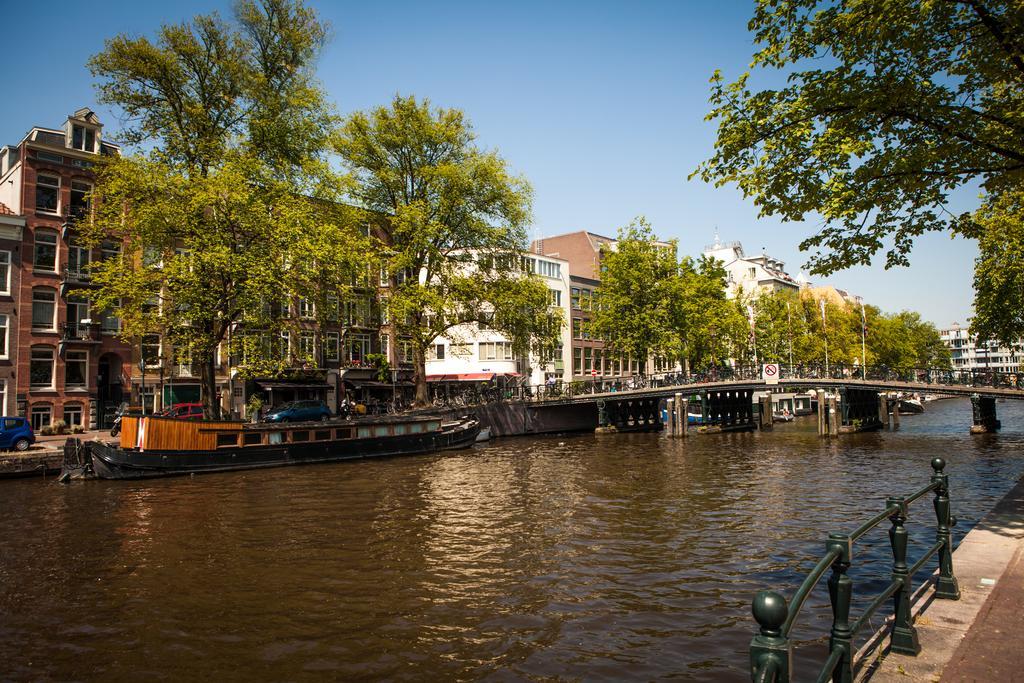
[(615, 557)]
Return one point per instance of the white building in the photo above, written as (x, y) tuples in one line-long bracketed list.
[(468, 353), (968, 354), (750, 275)]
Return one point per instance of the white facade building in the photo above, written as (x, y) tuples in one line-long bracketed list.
[(968, 354), (469, 353), (750, 275)]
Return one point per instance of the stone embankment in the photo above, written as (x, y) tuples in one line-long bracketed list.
[(976, 638)]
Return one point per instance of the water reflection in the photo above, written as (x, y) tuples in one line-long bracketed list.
[(624, 557)]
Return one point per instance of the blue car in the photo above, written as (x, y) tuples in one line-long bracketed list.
[(16, 433), (300, 411)]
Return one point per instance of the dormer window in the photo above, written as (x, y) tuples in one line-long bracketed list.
[(83, 139)]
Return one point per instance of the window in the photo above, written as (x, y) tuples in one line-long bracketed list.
[(76, 369), (554, 297), (45, 255), (358, 347), (83, 138), (78, 261), (306, 308), (495, 351), (576, 298), (110, 250), (4, 331), (461, 350), (577, 328), (284, 345), (385, 345), (435, 352), (5, 272), (404, 351), (332, 342), (44, 309), (333, 308), (111, 323), (40, 369), (588, 360), (577, 361), (47, 193), (586, 300), (41, 416), (150, 350), (73, 415), (3, 403), (307, 345), (50, 157), (79, 199)]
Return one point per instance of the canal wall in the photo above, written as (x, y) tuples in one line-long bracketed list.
[(518, 419), (30, 463)]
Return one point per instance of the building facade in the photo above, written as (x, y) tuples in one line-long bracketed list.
[(70, 365), (750, 275), (968, 354), (590, 358), (470, 353)]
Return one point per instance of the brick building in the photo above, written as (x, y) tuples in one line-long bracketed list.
[(67, 363)]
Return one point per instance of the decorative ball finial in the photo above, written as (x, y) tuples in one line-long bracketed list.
[(938, 464), (770, 611)]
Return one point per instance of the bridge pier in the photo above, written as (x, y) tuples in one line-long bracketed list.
[(767, 419), (984, 413), (728, 411)]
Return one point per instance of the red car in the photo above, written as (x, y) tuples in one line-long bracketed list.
[(185, 411)]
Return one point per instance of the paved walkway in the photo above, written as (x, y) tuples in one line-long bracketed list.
[(981, 636)]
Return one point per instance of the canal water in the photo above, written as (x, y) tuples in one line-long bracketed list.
[(624, 557)]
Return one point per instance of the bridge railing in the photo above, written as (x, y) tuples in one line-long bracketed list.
[(771, 650), (561, 390)]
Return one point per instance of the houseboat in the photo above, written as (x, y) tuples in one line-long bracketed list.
[(154, 446)]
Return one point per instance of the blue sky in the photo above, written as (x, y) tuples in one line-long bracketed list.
[(599, 104)]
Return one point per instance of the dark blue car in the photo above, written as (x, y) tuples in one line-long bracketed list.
[(300, 411), (16, 433)]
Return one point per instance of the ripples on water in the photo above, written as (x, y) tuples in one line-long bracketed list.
[(581, 557)]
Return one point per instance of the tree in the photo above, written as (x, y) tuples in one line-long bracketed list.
[(705, 323), (457, 217), (887, 109), (220, 211), (637, 283)]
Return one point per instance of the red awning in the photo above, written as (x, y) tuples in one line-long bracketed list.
[(465, 377)]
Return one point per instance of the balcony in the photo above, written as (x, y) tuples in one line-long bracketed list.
[(74, 278), (80, 333)]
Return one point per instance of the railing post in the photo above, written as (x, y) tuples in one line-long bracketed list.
[(771, 645), (946, 587), (840, 591), (904, 635)]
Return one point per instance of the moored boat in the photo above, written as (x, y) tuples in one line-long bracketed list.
[(156, 446)]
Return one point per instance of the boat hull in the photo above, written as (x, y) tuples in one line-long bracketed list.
[(113, 462)]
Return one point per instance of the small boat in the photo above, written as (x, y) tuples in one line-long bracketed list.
[(784, 416), (911, 406), (484, 435), (155, 446), (694, 419)]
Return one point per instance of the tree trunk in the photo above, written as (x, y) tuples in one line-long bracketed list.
[(422, 399), (208, 387)]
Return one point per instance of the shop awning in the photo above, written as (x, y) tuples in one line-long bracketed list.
[(464, 377), (359, 383), (291, 385)]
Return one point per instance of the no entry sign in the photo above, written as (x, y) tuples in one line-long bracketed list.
[(770, 373)]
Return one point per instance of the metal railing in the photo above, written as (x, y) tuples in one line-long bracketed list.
[(771, 650), (561, 390), (82, 332)]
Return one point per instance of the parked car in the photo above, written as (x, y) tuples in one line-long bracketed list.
[(184, 411), (299, 411), (16, 433)]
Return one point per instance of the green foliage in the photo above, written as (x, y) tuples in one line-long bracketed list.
[(887, 108), (999, 271), (457, 222), (228, 214), (637, 284)]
